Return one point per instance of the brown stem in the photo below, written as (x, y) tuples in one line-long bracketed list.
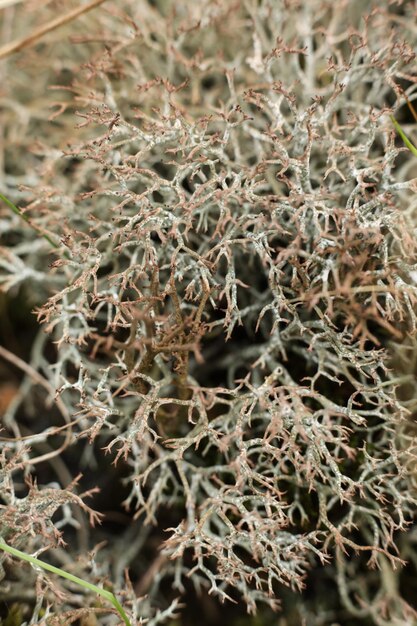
[(24, 42)]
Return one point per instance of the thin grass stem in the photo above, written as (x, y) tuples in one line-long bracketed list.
[(108, 595), (24, 217), (403, 136)]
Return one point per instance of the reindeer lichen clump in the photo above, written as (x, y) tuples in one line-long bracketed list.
[(234, 262)]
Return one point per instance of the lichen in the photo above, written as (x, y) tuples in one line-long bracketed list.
[(236, 259)]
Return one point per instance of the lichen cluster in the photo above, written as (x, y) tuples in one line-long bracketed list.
[(236, 256)]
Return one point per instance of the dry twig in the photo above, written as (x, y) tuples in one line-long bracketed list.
[(24, 42)]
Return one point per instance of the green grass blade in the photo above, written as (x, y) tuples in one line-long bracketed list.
[(24, 217), (403, 136), (60, 572)]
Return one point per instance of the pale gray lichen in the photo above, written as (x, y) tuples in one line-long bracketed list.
[(240, 253)]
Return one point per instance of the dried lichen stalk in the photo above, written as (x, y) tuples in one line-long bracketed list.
[(237, 253)]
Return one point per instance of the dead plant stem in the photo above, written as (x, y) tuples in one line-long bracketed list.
[(24, 42)]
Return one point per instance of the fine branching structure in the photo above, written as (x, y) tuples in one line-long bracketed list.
[(215, 229)]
